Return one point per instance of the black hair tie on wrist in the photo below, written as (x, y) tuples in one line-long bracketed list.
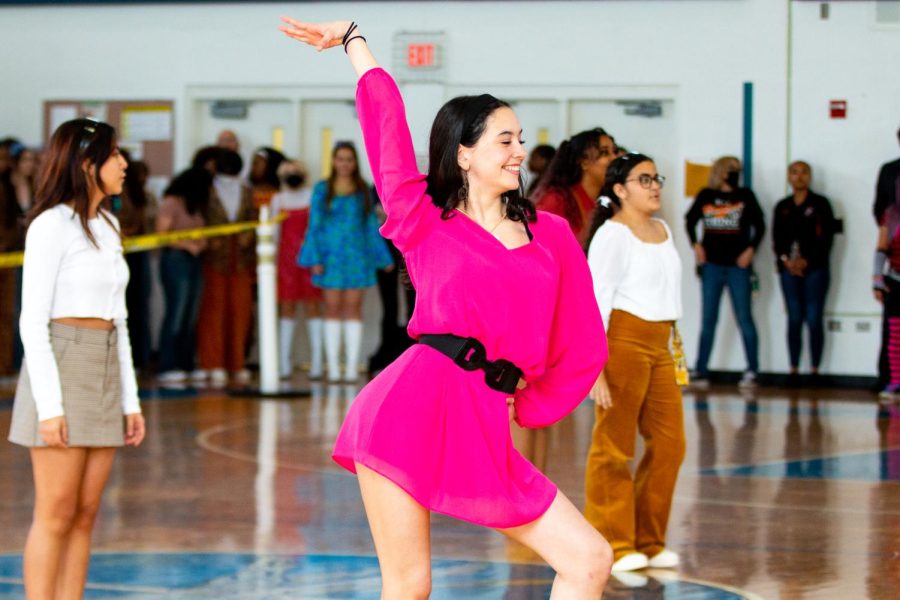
[(358, 37), (350, 30)]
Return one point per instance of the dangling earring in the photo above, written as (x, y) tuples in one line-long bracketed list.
[(463, 192)]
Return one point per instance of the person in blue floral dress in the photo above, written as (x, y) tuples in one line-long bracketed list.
[(343, 249)]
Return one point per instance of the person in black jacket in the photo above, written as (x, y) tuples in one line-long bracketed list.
[(888, 188), (733, 227), (803, 231), (887, 192)]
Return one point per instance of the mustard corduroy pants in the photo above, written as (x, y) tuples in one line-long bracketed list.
[(633, 513)]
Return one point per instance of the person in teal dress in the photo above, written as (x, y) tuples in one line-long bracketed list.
[(343, 249)]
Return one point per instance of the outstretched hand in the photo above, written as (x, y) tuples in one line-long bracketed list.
[(320, 36)]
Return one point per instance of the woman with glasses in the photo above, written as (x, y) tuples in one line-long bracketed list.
[(733, 227), (637, 282), (77, 399), (506, 326), (572, 182)]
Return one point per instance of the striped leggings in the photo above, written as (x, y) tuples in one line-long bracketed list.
[(892, 314)]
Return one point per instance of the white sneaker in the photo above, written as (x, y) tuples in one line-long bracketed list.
[(218, 377), (748, 380), (199, 375), (242, 376), (631, 580), (171, 377), (630, 562), (664, 560)]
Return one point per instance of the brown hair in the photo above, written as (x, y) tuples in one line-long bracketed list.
[(62, 177), (361, 185)]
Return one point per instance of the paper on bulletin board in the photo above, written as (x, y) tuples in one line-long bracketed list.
[(147, 124), (696, 177), (135, 149), (61, 113)]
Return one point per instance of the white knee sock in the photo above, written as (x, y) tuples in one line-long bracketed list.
[(314, 328), (332, 330), (285, 345), (352, 344)]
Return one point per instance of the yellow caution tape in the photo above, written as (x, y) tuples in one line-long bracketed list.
[(151, 241), (11, 259)]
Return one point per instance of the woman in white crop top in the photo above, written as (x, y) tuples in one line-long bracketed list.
[(77, 397), (637, 282)]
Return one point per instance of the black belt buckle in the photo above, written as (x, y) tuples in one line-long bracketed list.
[(472, 356), (502, 375)]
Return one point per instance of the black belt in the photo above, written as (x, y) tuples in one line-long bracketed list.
[(469, 353)]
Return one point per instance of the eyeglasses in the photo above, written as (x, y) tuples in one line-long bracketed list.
[(87, 134), (647, 180)]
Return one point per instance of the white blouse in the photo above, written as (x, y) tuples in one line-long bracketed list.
[(64, 275), (291, 200), (641, 278)]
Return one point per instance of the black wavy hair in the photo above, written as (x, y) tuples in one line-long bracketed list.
[(461, 121), (565, 169), (228, 162), (193, 186), (609, 204), (273, 159)]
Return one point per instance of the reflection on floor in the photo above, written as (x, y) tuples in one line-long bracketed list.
[(237, 576), (784, 494)]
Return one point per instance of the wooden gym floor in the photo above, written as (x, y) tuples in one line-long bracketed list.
[(783, 494)]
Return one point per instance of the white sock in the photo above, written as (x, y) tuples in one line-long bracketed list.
[(352, 344), (332, 331), (285, 345), (314, 328)]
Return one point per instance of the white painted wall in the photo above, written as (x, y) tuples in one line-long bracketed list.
[(696, 53)]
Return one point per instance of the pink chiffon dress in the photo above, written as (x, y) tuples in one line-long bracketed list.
[(438, 431)]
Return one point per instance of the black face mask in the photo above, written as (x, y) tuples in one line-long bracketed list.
[(294, 180), (732, 178)]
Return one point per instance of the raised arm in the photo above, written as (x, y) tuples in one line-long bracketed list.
[(382, 116), (322, 36)]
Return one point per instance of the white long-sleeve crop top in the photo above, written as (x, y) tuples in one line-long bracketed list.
[(641, 278), (65, 275)]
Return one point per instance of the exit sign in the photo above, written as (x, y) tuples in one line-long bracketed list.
[(420, 55)]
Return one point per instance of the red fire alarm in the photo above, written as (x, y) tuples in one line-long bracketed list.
[(420, 55), (838, 109)]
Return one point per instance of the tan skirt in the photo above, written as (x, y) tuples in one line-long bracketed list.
[(88, 364)]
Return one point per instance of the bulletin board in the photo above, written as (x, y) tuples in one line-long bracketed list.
[(146, 128)]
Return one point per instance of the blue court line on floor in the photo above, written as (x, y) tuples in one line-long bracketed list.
[(865, 466), (197, 576)]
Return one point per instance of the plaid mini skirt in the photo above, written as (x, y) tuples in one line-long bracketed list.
[(89, 372)]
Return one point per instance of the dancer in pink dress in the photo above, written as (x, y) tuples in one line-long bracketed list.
[(503, 293)]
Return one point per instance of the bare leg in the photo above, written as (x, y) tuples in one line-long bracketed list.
[(73, 565), (577, 552), (57, 482), (401, 529), (312, 309), (287, 310), (333, 303), (351, 304)]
